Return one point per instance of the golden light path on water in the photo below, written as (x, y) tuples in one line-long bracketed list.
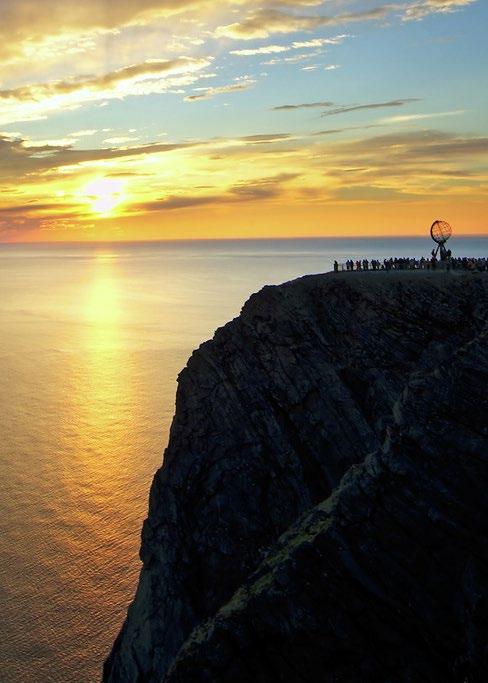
[(98, 414), (86, 402), (91, 341), (102, 384)]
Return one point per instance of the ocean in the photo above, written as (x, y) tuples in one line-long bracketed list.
[(92, 338)]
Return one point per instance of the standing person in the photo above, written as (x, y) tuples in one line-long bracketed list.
[(336, 267)]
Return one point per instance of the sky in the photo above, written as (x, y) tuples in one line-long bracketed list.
[(181, 119)]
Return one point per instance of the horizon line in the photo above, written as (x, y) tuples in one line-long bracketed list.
[(232, 239)]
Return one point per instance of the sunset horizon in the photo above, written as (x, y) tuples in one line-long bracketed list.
[(192, 120), (258, 238)]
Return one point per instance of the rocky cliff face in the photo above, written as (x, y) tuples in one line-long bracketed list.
[(321, 511)]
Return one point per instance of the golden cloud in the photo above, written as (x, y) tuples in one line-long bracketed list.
[(266, 22), (208, 93), (296, 45), (107, 82), (26, 23), (34, 101)]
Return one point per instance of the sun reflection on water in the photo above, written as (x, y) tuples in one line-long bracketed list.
[(103, 411), (101, 307)]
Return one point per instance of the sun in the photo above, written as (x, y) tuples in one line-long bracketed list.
[(104, 195)]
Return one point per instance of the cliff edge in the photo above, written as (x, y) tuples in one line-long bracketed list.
[(321, 511)]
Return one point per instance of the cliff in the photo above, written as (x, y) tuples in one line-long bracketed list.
[(321, 511)]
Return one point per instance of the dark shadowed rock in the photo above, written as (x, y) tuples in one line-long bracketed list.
[(382, 376)]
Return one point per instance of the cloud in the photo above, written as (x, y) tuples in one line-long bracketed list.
[(23, 160), (280, 3), (36, 33), (369, 193), (106, 82), (419, 10), (33, 207), (35, 101), (413, 147), (406, 118), (451, 147), (306, 105), (320, 42), (408, 165), (294, 59), (120, 140), (19, 159), (296, 45), (266, 22), (262, 188), (370, 105), (265, 50), (18, 220), (83, 133), (208, 93), (334, 131), (172, 202), (26, 24), (259, 189), (267, 137), (344, 109)]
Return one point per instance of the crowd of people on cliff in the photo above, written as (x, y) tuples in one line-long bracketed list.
[(474, 264)]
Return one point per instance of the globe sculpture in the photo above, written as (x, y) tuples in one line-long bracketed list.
[(441, 231)]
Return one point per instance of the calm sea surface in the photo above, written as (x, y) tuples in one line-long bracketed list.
[(92, 338)]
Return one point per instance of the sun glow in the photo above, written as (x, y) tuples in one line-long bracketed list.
[(104, 195)]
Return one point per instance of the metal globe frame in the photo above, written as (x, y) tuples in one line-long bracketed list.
[(440, 231)]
